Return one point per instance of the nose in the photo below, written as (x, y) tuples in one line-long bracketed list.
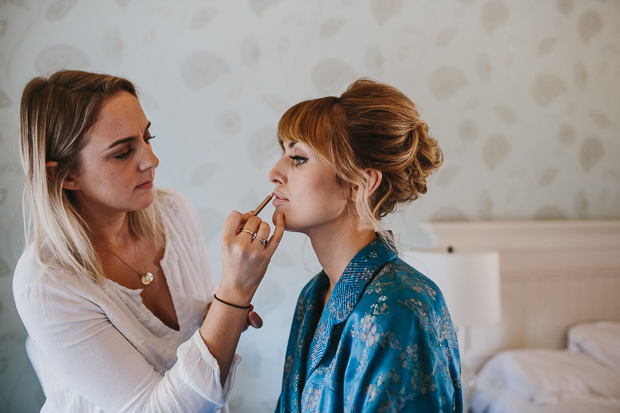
[(276, 175), (148, 159)]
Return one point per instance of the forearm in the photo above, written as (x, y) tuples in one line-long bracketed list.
[(221, 330), (244, 262)]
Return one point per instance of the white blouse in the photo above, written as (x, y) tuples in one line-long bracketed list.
[(97, 348)]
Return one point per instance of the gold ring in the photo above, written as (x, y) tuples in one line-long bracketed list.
[(264, 241), (249, 232)]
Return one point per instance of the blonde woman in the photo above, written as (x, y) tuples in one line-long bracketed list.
[(370, 333), (114, 284)]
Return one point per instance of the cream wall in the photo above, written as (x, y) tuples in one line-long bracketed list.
[(523, 97)]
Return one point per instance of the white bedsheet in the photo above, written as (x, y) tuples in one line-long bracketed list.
[(581, 379), (504, 401)]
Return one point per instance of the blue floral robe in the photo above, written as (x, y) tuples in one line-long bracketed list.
[(384, 343)]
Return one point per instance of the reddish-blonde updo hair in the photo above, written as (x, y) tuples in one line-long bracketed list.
[(372, 125)]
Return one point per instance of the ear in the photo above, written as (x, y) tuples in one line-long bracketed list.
[(374, 180), (50, 169)]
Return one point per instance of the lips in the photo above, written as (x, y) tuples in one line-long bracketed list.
[(145, 185), (279, 199)]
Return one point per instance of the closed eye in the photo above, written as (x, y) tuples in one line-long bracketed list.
[(125, 154)]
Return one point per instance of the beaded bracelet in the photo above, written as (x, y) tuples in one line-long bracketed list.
[(232, 305)]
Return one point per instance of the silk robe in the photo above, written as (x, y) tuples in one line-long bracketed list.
[(384, 343)]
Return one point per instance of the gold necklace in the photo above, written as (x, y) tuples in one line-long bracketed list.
[(145, 277)]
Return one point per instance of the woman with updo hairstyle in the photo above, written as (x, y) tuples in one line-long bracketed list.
[(115, 287), (369, 333)]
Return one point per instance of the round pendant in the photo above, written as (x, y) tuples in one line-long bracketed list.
[(147, 278)]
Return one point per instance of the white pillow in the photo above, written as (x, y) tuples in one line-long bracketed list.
[(599, 340), (547, 376)]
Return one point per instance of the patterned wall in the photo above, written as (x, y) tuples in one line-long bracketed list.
[(523, 96)]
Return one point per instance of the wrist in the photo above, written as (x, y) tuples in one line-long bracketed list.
[(234, 296), (241, 307)]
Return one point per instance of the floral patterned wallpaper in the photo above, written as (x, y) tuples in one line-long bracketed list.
[(523, 97)]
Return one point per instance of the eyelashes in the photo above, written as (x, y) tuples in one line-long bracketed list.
[(124, 155), (128, 152), (298, 160)]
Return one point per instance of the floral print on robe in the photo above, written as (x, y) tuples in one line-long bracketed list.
[(384, 343)]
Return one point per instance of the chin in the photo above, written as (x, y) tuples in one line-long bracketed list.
[(144, 204), (294, 228), (289, 226)]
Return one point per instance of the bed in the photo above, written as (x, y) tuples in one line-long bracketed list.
[(559, 279), (585, 377)]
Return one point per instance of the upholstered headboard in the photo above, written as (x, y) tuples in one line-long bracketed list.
[(553, 274)]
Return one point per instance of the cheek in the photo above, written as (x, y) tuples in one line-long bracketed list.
[(103, 178), (327, 195)]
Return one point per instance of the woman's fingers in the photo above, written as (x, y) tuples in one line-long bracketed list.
[(273, 243), (251, 226), (244, 254), (254, 319), (244, 226), (248, 228), (258, 230), (233, 224), (262, 233)]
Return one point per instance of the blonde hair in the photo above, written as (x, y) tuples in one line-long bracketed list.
[(371, 125), (55, 116)]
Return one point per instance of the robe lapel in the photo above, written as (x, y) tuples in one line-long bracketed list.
[(347, 292), (305, 314)]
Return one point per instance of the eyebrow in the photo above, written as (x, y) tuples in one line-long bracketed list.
[(123, 140), (289, 145)]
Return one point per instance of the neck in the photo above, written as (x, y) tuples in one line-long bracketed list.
[(109, 231), (335, 247)]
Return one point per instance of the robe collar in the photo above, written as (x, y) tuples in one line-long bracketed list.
[(347, 293)]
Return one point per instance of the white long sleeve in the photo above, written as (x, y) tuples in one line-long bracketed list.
[(99, 348)]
